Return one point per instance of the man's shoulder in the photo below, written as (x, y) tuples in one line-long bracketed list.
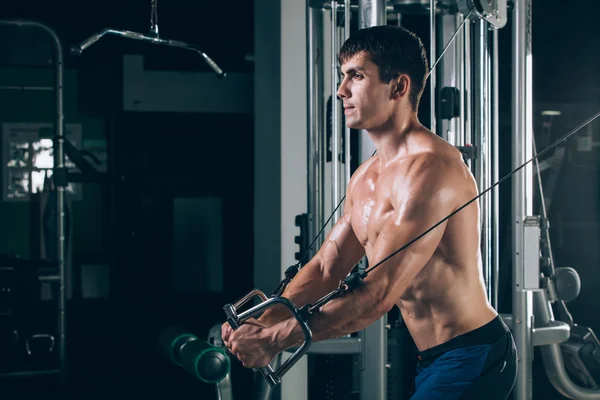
[(435, 149), (437, 158), (437, 170), (430, 162)]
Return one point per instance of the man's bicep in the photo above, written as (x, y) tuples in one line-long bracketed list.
[(341, 250), (411, 229), (415, 227), (421, 215)]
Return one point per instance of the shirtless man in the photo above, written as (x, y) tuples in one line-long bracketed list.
[(415, 180)]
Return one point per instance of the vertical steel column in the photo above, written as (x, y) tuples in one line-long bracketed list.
[(495, 159), (450, 73), (467, 94), (373, 377), (482, 140), (59, 164), (459, 59), (314, 43), (370, 13), (322, 205), (347, 158), (335, 112), (521, 188), (432, 59)]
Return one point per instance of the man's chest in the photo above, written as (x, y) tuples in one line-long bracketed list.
[(371, 209)]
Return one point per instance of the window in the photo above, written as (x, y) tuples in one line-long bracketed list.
[(28, 159)]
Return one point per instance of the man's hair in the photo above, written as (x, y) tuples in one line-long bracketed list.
[(395, 51)]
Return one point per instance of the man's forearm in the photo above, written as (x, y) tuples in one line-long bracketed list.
[(350, 313), (310, 284), (340, 252)]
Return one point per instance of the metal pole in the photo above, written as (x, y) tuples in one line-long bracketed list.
[(347, 158), (466, 95), (335, 111), (28, 88), (59, 163), (341, 127), (521, 203), (459, 58), (370, 13), (322, 132), (432, 59), (320, 116), (450, 73), (495, 159), (373, 359), (483, 172), (311, 155), (314, 41), (60, 190)]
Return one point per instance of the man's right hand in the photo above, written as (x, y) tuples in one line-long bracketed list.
[(226, 332), (226, 329)]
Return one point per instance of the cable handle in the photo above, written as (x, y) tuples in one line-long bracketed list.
[(235, 320)]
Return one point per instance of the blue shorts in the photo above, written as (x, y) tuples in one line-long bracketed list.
[(481, 364)]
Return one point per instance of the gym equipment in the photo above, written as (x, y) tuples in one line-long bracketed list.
[(152, 37), (201, 359), (480, 43), (235, 319), (573, 367), (58, 275), (27, 336), (581, 355), (355, 279)]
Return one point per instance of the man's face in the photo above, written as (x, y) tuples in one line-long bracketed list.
[(368, 102)]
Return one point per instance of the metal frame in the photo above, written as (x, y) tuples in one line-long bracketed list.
[(151, 38), (522, 206), (59, 164), (533, 320), (474, 71), (371, 345)]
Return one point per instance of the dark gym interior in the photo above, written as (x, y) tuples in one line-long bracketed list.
[(176, 190)]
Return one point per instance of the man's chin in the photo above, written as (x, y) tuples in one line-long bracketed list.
[(354, 125)]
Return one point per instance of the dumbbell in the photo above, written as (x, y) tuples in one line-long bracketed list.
[(208, 363)]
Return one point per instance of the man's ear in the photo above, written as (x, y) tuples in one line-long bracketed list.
[(401, 86)]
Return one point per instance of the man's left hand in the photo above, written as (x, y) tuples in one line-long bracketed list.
[(253, 344)]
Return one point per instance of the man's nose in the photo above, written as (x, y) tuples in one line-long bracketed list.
[(342, 91)]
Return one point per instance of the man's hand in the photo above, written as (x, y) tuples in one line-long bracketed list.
[(226, 332), (251, 343), (226, 329)]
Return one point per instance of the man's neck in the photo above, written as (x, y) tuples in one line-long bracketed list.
[(391, 141)]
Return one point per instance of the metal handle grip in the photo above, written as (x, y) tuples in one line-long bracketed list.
[(235, 320), (153, 38), (78, 49), (213, 65)]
